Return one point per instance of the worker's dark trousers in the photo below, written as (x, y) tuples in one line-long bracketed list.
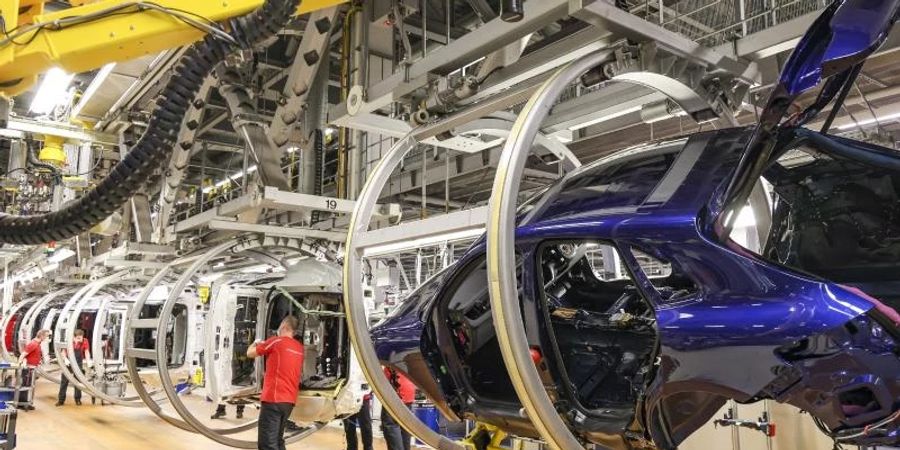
[(363, 420), (272, 419), (396, 437), (64, 386)]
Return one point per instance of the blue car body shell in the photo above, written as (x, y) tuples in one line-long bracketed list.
[(731, 338), (799, 324)]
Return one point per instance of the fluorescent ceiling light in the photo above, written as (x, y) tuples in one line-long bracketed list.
[(52, 91), (606, 117), (860, 123), (210, 277), (92, 89), (397, 247), (234, 177)]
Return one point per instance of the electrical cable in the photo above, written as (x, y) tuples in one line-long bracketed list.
[(89, 171), (862, 95), (69, 21), (154, 147), (23, 169), (844, 436)]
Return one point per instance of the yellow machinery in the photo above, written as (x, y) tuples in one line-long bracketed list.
[(53, 152), (89, 36), (488, 437)]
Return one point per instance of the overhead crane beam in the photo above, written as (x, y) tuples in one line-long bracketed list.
[(87, 37)]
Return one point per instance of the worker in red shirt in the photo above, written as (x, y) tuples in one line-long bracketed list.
[(81, 350), (396, 437), (284, 361), (32, 356)]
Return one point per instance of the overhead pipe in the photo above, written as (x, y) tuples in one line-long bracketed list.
[(360, 59)]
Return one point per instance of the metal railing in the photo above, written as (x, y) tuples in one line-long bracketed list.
[(715, 22)]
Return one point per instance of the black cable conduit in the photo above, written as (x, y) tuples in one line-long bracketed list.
[(154, 147)]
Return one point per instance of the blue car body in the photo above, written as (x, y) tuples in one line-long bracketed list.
[(644, 358)]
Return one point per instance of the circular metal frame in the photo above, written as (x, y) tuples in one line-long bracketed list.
[(188, 420), (4, 324), (65, 328), (131, 357), (354, 305), (64, 317), (49, 300), (132, 401), (500, 239)]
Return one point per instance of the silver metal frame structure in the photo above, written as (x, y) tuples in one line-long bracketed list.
[(355, 308), (192, 265), (505, 304), (354, 304), (4, 324), (64, 335), (49, 369)]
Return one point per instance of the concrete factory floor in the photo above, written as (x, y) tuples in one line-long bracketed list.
[(95, 427)]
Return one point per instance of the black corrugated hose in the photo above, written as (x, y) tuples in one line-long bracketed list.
[(153, 148)]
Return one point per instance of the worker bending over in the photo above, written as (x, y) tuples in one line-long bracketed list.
[(284, 361)]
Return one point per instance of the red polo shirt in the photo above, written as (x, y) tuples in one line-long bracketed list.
[(84, 347), (33, 352), (284, 363), (403, 385)]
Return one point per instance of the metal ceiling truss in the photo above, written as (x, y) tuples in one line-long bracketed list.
[(720, 81)]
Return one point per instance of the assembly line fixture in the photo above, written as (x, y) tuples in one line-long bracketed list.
[(357, 320), (184, 272), (500, 235), (33, 321), (98, 295)]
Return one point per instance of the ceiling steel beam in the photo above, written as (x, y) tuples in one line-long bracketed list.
[(490, 37), (606, 15), (459, 225), (277, 231), (18, 127)]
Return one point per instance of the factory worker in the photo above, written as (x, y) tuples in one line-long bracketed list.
[(32, 356), (81, 351), (281, 383)]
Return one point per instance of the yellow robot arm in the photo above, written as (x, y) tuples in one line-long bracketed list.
[(89, 36)]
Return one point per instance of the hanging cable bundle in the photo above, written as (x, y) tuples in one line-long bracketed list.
[(153, 148)]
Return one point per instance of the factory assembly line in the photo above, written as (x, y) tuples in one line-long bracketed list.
[(482, 224)]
